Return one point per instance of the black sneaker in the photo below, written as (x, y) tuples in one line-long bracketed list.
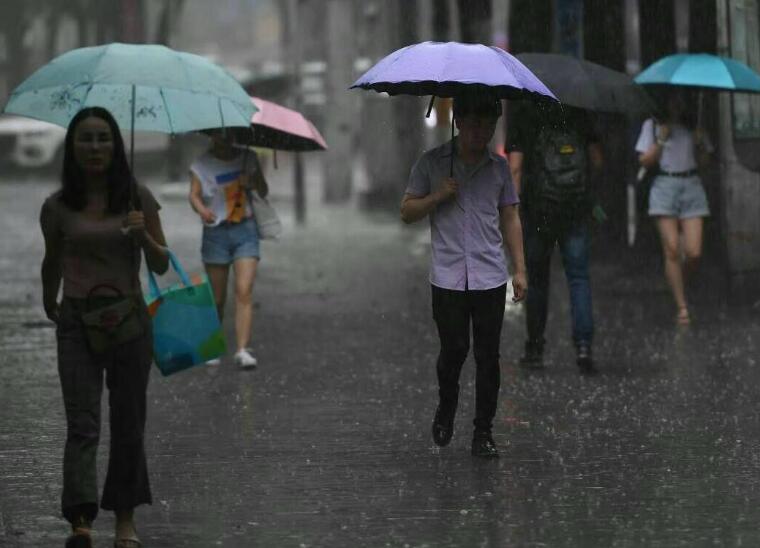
[(443, 427), (533, 356), (483, 446), (583, 359)]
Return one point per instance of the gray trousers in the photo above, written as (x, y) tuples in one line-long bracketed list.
[(126, 370)]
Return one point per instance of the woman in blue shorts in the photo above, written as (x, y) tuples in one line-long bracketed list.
[(677, 200), (221, 180)]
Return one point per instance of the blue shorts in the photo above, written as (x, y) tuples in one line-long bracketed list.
[(681, 197), (227, 242)]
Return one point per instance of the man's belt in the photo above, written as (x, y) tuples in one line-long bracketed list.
[(689, 173)]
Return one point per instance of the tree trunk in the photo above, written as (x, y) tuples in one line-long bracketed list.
[(475, 20), (339, 122), (441, 21)]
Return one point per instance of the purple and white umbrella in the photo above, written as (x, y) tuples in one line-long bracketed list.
[(448, 69)]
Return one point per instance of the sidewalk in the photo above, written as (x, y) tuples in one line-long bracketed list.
[(327, 442)]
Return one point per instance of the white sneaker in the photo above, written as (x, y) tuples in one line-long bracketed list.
[(244, 359), (215, 361)]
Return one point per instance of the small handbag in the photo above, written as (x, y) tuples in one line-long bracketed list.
[(111, 325), (267, 220)]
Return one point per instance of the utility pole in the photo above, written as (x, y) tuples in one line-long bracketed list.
[(340, 118)]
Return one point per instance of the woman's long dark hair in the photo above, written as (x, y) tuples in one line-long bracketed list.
[(119, 175), (661, 94)]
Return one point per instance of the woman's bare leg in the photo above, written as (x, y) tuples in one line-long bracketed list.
[(217, 276), (692, 242), (668, 229), (245, 276)]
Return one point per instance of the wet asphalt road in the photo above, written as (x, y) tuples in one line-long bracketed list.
[(327, 442)]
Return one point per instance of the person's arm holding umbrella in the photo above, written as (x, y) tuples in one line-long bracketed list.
[(650, 157), (145, 227), (594, 149), (417, 205), (254, 178), (515, 146), (595, 155)]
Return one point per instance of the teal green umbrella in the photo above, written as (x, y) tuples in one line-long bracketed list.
[(174, 92), (701, 70)]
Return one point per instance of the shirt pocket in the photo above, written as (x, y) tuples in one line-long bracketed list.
[(486, 191)]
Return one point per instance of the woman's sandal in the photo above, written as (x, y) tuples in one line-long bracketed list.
[(683, 317), (127, 542), (79, 538)]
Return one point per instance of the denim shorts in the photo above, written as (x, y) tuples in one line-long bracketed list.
[(681, 197), (227, 242)]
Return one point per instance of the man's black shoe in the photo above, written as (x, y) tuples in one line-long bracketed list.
[(483, 446), (443, 427), (533, 356), (584, 360)]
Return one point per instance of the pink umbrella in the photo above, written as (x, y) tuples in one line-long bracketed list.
[(280, 128)]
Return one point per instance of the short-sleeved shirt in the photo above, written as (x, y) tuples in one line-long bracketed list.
[(524, 123), (96, 251), (677, 152), (466, 238), (222, 187)]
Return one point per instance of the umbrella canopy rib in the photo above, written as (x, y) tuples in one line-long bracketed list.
[(168, 112)]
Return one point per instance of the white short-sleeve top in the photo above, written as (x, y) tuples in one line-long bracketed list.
[(222, 185), (678, 150)]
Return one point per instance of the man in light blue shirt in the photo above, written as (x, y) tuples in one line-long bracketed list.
[(473, 213)]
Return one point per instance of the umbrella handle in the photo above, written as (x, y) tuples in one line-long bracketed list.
[(132, 151), (700, 107), (453, 148), (430, 106)]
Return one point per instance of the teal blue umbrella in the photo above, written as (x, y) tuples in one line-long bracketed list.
[(145, 87), (171, 91), (701, 70)]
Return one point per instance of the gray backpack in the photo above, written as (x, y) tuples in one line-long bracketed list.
[(562, 164)]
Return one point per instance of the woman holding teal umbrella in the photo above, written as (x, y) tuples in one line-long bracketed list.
[(96, 228), (676, 149), (142, 88)]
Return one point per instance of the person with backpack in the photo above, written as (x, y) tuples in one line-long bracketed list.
[(553, 156)]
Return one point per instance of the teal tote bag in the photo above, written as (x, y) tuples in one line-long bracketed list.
[(186, 326)]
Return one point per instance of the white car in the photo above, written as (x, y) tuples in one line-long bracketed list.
[(28, 143)]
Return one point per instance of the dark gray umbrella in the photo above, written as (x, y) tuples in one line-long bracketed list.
[(587, 85)]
